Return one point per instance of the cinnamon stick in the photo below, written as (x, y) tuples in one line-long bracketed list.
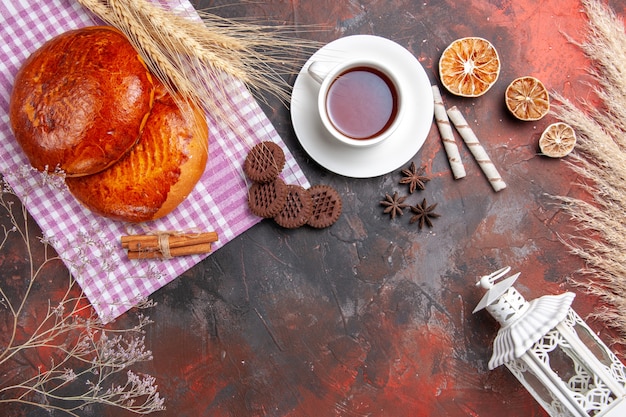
[(174, 252), (167, 245), (146, 242)]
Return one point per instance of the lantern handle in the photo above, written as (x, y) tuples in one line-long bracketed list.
[(487, 281), (494, 291)]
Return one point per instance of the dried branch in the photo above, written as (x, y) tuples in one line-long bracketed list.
[(56, 353)]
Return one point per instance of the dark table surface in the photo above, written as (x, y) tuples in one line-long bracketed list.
[(373, 316)]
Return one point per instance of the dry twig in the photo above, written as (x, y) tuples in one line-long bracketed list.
[(58, 355)]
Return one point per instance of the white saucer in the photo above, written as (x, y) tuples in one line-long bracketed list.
[(379, 159)]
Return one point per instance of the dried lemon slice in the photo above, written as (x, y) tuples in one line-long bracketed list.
[(527, 98), (469, 66), (557, 140)]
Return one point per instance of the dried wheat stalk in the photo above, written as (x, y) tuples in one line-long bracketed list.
[(197, 56), (600, 159)]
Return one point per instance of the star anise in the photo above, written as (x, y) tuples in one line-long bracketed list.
[(423, 214), (394, 205), (414, 177)]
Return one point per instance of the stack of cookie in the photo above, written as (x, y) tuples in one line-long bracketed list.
[(290, 205)]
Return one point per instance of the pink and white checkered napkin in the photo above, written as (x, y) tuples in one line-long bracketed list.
[(89, 244)]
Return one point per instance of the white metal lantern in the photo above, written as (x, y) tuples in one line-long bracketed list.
[(552, 351)]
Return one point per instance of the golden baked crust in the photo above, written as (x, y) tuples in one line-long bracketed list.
[(157, 174), (80, 101)]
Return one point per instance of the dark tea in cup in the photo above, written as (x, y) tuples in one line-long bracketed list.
[(359, 101), (362, 102)]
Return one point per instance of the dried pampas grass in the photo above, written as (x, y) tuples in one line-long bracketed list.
[(202, 58), (600, 160)]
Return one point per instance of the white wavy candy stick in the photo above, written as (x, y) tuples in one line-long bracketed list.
[(476, 149), (447, 137)]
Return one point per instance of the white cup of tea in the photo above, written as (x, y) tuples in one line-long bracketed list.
[(359, 101)]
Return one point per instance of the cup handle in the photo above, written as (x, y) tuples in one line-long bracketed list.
[(318, 71)]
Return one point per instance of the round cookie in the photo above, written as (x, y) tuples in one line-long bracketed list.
[(297, 209), (267, 199), (264, 162), (326, 206)]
